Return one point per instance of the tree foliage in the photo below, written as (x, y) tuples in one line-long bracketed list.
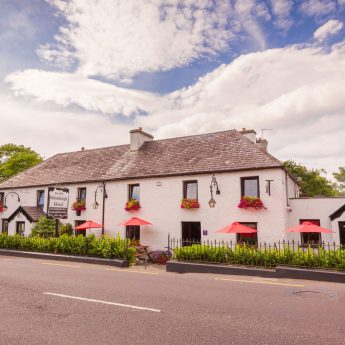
[(340, 177), (45, 227), (16, 158), (312, 183)]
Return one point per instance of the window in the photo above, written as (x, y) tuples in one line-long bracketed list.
[(251, 239), (191, 233), (2, 197), (190, 190), (310, 237), (20, 228), (4, 227), (250, 186), (134, 192), (133, 233), (40, 199), (82, 194), (79, 232)]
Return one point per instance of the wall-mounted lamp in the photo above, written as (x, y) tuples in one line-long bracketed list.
[(5, 207), (214, 184), (101, 187)]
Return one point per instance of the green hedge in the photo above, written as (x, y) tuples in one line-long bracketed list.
[(110, 248), (263, 257)]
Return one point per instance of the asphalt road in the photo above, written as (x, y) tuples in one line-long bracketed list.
[(52, 302)]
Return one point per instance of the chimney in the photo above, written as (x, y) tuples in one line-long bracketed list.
[(262, 143), (138, 137), (249, 133)]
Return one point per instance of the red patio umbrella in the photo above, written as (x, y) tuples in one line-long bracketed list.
[(135, 221), (237, 228), (89, 224), (309, 227)]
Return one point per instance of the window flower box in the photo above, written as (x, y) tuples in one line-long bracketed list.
[(251, 202), (79, 205), (190, 203), (2, 209), (132, 205)]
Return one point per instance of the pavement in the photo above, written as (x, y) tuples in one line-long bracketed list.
[(54, 302)]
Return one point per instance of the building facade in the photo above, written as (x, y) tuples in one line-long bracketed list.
[(160, 174)]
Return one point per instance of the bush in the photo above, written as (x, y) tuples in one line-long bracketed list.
[(268, 256), (112, 248), (45, 227)]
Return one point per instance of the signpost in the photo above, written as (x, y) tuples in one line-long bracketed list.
[(58, 205)]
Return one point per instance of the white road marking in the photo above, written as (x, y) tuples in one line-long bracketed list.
[(131, 271), (258, 282), (102, 302), (63, 265)]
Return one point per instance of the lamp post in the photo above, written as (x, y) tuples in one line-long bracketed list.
[(95, 205), (5, 207), (214, 184)]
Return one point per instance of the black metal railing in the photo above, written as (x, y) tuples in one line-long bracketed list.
[(270, 255)]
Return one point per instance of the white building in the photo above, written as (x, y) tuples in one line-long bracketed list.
[(160, 173)]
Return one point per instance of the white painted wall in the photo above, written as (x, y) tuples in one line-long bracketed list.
[(161, 198), (316, 208)]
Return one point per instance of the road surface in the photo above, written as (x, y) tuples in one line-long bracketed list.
[(54, 302)]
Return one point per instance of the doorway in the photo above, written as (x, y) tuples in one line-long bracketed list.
[(191, 233), (342, 233)]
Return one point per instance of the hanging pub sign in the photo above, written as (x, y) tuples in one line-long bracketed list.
[(58, 202)]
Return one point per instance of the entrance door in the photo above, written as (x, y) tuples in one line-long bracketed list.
[(342, 233), (191, 233)]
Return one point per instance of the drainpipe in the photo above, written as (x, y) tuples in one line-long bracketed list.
[(103, 205), (287, 189)]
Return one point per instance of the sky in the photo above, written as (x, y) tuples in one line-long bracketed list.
[(82, 73)]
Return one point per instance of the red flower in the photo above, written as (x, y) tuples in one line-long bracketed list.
[(132, 205), (251, 202), (190, 203)]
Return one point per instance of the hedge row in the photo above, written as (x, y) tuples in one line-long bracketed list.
[(263, 257), (111, 248)]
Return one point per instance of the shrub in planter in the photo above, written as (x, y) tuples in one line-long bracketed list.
[(190, 203), (251, 202), (79, 205), (132, 205), (161, 257)]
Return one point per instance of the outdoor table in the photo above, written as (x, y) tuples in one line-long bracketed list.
[(143, 253)]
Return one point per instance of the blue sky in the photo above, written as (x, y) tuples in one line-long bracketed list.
[(73, 68)]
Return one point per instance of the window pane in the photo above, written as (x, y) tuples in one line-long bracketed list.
[(2, 198), (133, 233), (4, 226), (40, 199), (82, 194), (191, 190), (251, 187), (134, 192)]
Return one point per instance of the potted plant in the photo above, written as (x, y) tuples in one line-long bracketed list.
[(190, 203), (251, 202), (132, 205), (79, 205), (161, 257)]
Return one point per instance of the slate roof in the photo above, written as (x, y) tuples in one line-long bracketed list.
[(205, 153), (32, 213)]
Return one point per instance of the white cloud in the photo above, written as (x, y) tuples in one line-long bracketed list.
[(67, 89), (118, 39), (49, 130), (281, 9), (316, 8), (296, 91), (332, 27)]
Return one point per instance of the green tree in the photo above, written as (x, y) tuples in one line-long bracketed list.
[(312, 183), (340, 177), (16, 158), (45, 227)]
